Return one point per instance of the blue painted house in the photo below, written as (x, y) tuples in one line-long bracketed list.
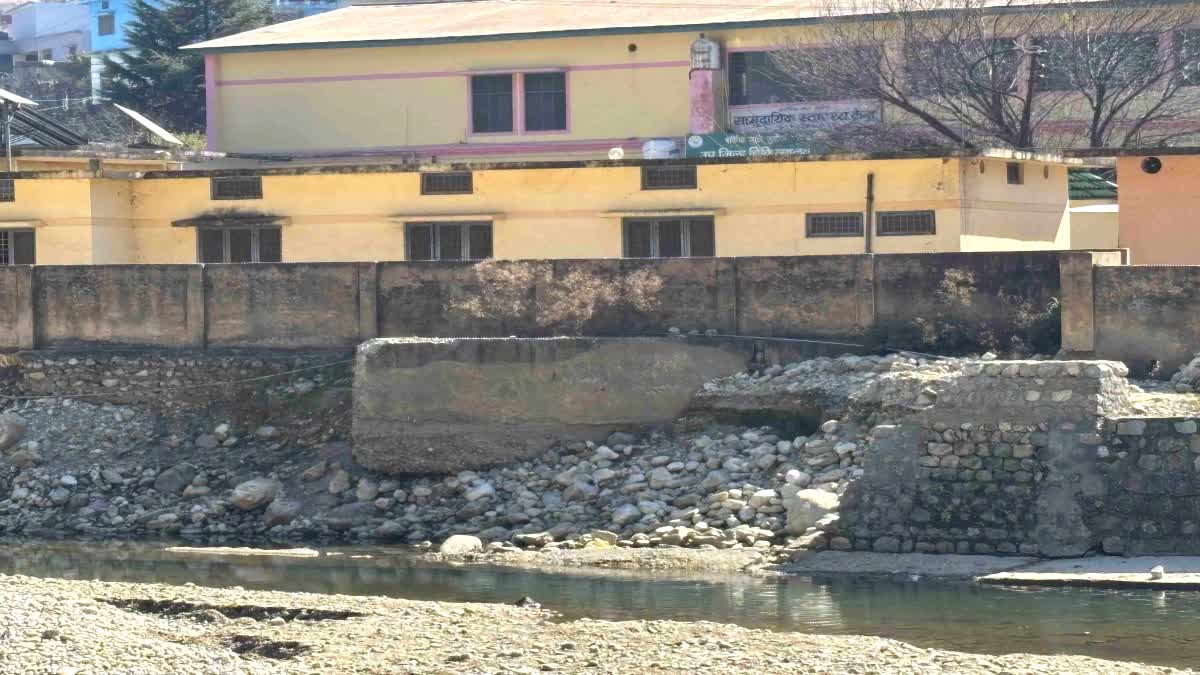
[(107, 19)]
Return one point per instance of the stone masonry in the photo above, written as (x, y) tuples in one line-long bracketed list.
[(996, 460)]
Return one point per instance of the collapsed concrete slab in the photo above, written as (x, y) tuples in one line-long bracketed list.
[(424, 405)]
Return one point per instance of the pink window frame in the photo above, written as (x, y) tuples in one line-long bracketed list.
[(518, 88)]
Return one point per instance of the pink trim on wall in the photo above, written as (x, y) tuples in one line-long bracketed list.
[(445, 73), (469, 149), (210, 101)]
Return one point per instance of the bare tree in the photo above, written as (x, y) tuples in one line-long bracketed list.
[(977, 72)]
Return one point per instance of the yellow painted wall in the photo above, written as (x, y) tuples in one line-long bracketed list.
[(612, 94), (759, 209), (1003, 217), (59, 209), (1094, 229), (1158, 211)]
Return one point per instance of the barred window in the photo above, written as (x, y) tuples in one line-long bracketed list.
[(17, 247), (833, 225), (669, 177), (448, 183), (491, 104), (905, 223), (236, 187), (448, 241), (669, 238), (241, 245), (8, 190)]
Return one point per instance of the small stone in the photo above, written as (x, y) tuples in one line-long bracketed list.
[(339, 483), (207, 442), (460, 544), (830, 427), (282, 512), (1131, 427), (254, 493), (315, 472), (625, 514), (1188, 427), (266, 433), (481, 491), (367, 490)]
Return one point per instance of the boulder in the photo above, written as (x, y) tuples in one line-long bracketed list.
[(807, 507), (175, 479), (254, 493), (12, 430), (460, 544), (349, 516), (282, 512)]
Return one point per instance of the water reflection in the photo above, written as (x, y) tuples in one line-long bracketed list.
[(1155, 627)]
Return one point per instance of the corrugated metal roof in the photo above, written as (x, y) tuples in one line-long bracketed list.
[(433, 22), (1087, 184)]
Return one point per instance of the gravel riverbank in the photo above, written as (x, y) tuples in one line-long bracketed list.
[(78, 627)]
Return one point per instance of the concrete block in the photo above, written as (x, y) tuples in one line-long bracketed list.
[(445, 405)]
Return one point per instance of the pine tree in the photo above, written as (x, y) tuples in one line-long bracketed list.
[(154, 76)]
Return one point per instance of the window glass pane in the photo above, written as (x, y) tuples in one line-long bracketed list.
[(637, 239), (5, 248), (545, 101), (23, 251), (420, 242), (756, 79), (270, 245), (491, 103), (704, 243), (481, 242), (670, 239), (450, 242), (240, 242), (212, 246)]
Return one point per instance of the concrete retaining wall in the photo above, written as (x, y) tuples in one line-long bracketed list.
[(1109, 310), (1148, 313), (423, 406)]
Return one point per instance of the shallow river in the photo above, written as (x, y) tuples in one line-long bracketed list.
[(1148, 626)]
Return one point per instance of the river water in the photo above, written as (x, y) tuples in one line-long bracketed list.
[(1148, 626)]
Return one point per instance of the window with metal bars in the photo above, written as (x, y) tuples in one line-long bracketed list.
[(669, 238), (236, 187), (17, 247), (833, 225), (545, 101), (448, 241), (669, 177), (448, 183), (1015, 172), (8, 190), (904, 223), (241, 245), (491, 104)]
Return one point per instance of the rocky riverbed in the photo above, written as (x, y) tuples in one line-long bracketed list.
[(88, 468), (80, 627)]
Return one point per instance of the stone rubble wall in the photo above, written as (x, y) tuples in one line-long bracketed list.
[(161, 381), (992, 460), (1146, 498)]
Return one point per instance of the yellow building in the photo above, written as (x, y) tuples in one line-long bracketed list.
[(984, 201)]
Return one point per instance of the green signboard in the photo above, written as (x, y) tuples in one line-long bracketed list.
[(738, 145)]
